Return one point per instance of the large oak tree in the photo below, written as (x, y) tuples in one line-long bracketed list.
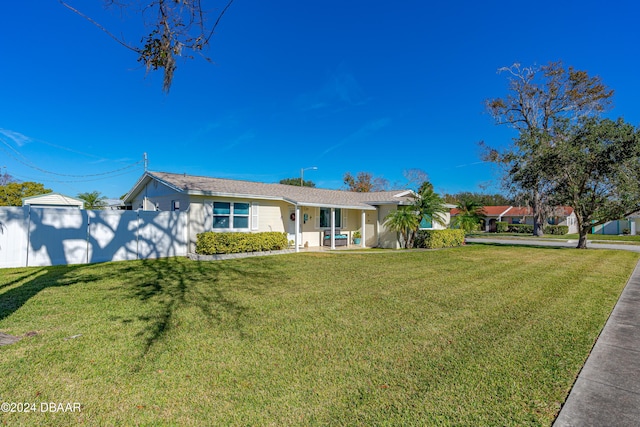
[(596, 170), (538, 98)]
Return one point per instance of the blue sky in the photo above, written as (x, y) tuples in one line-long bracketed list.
[(350, 85)]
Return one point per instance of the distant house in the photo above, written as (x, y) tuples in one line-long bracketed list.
[(562, 215), (310, 216), (53, 200)]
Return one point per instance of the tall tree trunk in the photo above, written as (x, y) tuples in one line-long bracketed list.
[(538, 217), (582, 241), (583, 228)]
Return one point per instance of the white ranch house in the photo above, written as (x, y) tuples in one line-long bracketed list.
[(311, 217)]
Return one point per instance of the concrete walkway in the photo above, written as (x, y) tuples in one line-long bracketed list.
[(607, 391)]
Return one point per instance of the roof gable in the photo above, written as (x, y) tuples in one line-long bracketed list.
[(53, 199)]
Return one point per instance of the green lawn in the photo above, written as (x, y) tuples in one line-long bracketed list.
[(477, 335)]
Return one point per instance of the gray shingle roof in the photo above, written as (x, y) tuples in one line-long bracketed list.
[(305, 196)]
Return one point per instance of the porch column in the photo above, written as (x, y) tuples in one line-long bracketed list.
[(333, 228), (363, 236), (298, 236), (632, 226)]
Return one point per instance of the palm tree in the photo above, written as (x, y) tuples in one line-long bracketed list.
[(428, 204), (403, 220), (469, 215), (93, 200)]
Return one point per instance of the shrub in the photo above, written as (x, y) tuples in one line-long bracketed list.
[(520, 228), (502, 227), (557, 230), (211, 242), (434, 239)]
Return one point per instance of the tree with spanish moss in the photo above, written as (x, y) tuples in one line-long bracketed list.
[(538, 99), (172, 29)]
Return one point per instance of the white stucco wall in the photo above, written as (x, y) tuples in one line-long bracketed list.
[(386, 238)]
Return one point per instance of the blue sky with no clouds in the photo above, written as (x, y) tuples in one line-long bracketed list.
[(341, 85)]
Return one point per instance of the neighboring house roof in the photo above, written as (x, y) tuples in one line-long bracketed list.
[(53, 200), (516, 211), (304, 196)]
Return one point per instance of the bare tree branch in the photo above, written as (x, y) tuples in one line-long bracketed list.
[(176, 26)]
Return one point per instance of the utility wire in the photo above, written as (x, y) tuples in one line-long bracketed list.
[(33, 166)]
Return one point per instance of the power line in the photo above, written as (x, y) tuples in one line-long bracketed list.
[(31, 165)]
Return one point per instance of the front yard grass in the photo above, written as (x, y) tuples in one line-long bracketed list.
[(476, 335)]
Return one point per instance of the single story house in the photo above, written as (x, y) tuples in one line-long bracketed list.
[(562, 215), (53, 200), (310, 216)]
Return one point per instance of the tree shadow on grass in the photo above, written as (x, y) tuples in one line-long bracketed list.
[(174, 284), (164, 287), (35, 280)]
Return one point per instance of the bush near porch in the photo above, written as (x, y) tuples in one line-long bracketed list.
[(435, 239), (211, 243)]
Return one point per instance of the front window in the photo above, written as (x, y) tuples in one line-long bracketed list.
[(228, 215), (325, 218), (426, 222)]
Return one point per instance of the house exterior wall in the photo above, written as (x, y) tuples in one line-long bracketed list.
[(447, 220), (571, 222), (370, 229), (157, 196), (272, 215), (386, 238)]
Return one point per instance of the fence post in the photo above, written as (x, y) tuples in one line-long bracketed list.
[(138, 234), (28, 234), (88, 236)]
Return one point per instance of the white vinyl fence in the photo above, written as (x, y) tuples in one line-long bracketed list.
[(54, 236)]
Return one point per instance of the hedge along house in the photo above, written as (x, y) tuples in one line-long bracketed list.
[(311, 217)]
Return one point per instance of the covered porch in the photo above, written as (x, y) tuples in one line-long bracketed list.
[(331, 227)]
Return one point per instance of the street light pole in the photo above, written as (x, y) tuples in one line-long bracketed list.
[(302, 174)]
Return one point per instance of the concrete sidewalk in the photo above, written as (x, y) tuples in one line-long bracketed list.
[(607, 391)]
